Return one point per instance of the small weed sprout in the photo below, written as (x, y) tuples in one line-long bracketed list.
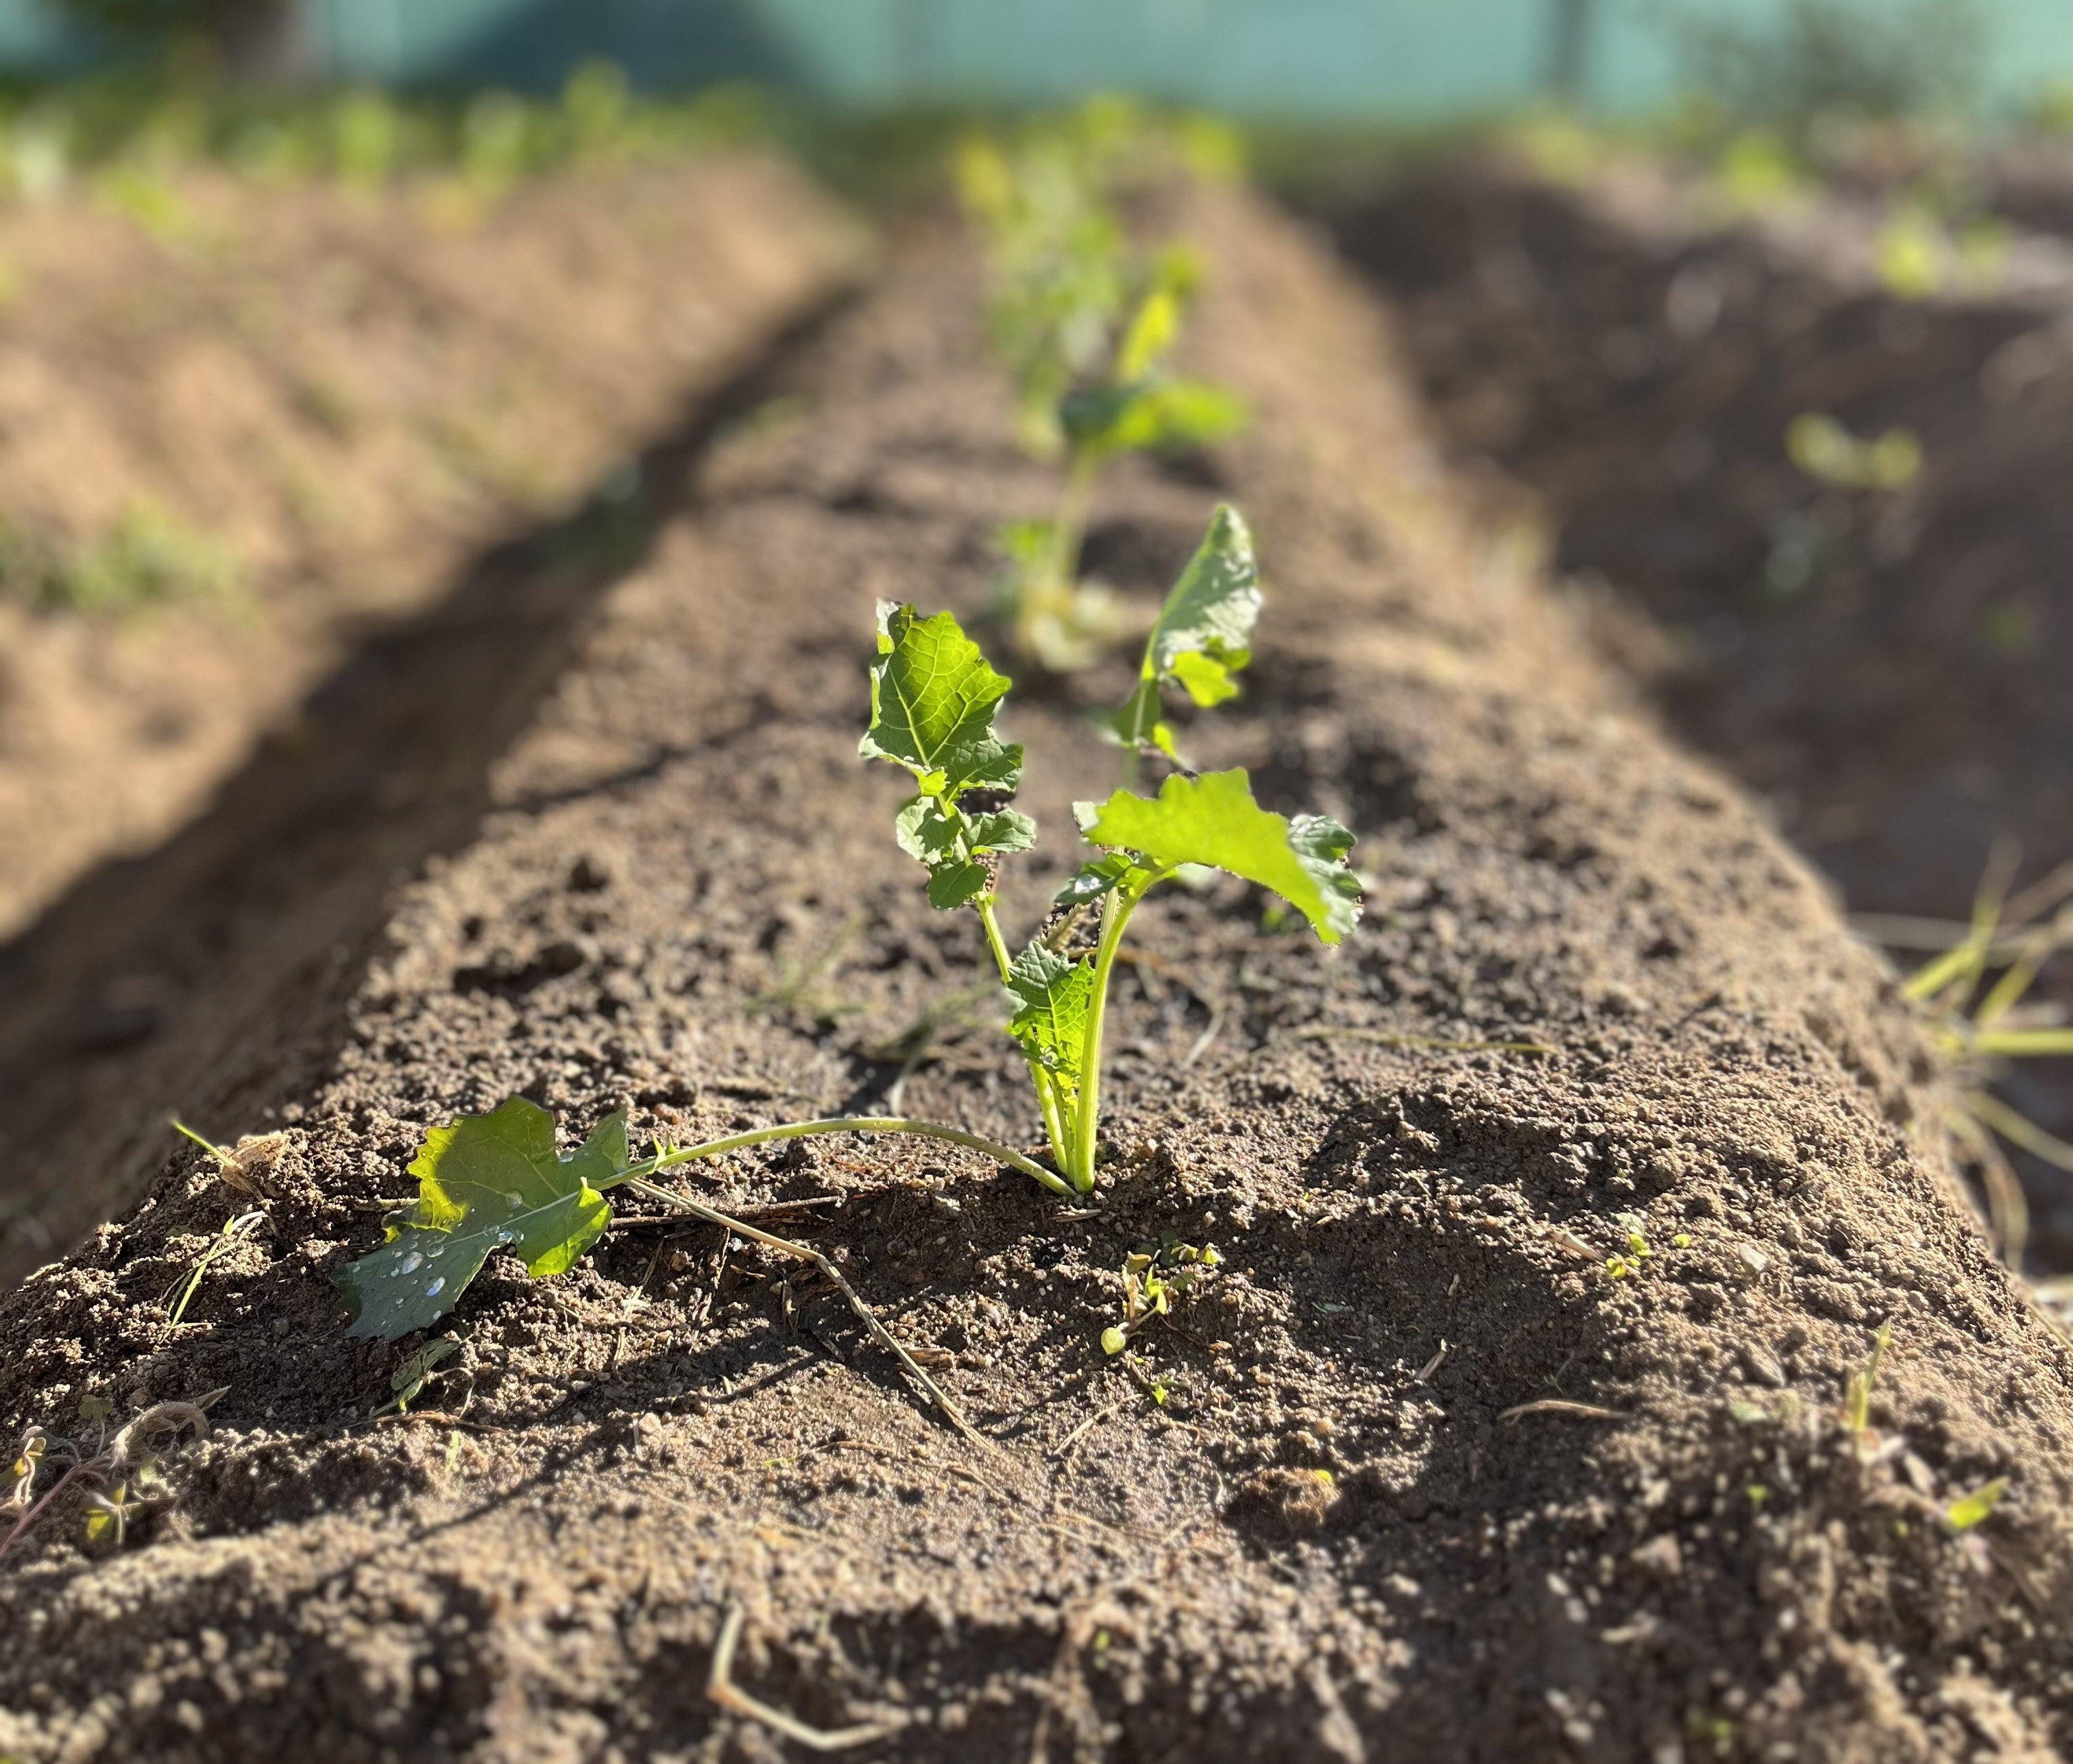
[(1977, 1026), (235, 1230), (120, 1474), (1151, 1281), (1858, 1393)]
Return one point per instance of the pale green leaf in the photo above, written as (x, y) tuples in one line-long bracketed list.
[(1152, 328), (1212, 819), (484, 1183), (1050, 996), (1962, 1515), (1203, 633)]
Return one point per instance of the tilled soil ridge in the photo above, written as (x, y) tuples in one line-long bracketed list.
[(1429, 1474), (343, 397)]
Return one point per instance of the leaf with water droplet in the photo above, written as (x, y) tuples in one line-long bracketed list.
[(484, 1181)]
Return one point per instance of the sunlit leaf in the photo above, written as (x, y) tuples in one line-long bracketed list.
[(932, 700), (484, 1183), (1213, 820), (1962, 1515), (1204, 632)]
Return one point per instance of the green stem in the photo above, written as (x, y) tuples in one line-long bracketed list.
[(1116, 909), (1049, 1100), (857, 1124), (993, 938), (1069, 530)]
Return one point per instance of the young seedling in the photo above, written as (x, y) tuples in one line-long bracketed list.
[(934, 699), (1858, 1393), (235, 1230), (1084, 328), (495, 1181), (1976, 1035), (1151, 1281), (119, 1473)]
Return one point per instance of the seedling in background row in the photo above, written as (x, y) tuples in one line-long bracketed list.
[(1084, 325)]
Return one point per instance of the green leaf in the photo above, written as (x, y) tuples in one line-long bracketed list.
[(486, 1182), (1962, 1515), (1154, 416), (932, 702), (1094, 881), (951, 885), (1153, 327), (1204, 634), (1213, 820), (1050, 996)]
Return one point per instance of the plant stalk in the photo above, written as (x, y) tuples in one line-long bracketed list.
[(1116, 909)]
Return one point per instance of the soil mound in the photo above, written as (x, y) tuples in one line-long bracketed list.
[(1432, 1472), (1886, 670), (302, 409)]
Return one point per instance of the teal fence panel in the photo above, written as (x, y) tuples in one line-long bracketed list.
[(1318, 59)]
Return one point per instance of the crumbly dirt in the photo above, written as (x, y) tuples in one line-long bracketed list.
[(1429, 1476), (346, 397), (1886, 671)]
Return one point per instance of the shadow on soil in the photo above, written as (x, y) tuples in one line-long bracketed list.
[(162, 982)]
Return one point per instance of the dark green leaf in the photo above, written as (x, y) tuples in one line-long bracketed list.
[(486, 1182), (952, 884), (1050, 996), (1213, 820)]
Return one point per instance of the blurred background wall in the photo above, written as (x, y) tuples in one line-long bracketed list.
[(1302, 60)]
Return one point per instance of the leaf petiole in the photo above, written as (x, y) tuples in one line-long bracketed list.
[(854, 1124)]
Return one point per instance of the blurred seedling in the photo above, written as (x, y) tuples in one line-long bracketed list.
[(1826, 451), (1084, 326), (1857, 1391), (797, 988), (494, 1181), (150, 557), (1969, 1510), (119, 1473), (1977, 1026), (1151, 1281)]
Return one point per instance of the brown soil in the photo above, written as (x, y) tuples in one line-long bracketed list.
[(686, 899), (348, 396), (1636, 368)]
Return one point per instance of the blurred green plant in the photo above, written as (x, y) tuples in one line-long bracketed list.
[(1823, 449), (135, 133), (1085, 325), (148, 558)]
